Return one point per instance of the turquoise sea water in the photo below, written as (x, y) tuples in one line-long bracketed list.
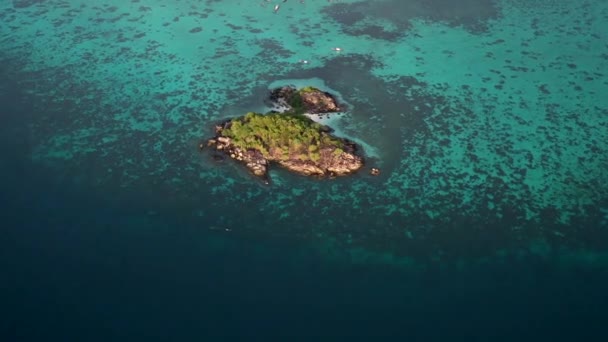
[(488, 119)]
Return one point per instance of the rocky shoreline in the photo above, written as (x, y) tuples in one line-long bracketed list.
[(289, 138)]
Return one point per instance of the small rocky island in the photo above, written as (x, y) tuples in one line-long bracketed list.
[(289, 138), (305, 100)]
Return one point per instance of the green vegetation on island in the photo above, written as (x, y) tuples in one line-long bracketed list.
[(282, 136), (296, 104), (308, 89), (296, 101)]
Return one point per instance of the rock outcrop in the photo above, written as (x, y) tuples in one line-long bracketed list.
[(331, 158), (305, 100)]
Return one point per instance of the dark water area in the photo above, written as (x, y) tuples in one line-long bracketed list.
[(78, 265)]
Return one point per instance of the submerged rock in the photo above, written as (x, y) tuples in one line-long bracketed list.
[(26, 3)]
